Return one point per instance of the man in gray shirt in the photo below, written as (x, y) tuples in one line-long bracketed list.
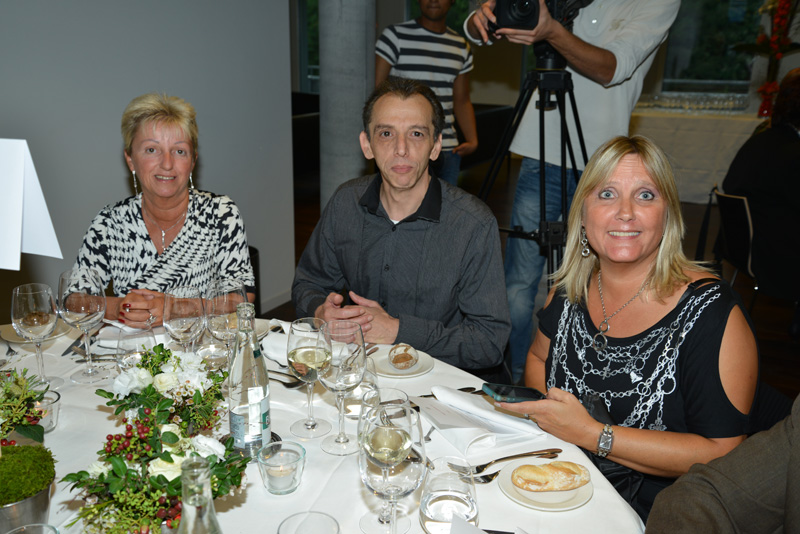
[(419, 258)]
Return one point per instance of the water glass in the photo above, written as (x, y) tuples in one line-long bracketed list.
[(48, 408), (132, 344), (353, 399), (447, 494), (281, 465), (309, 523)]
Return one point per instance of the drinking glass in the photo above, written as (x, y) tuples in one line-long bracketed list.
[(309, 354), (353, 399), (183, 315), (380, 522), (391, 457), (309, 523), (345, 372), (82, 304), (447, 494), (132, 344), (224, 295), (34, 316)]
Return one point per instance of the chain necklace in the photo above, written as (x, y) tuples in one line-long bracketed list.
[(163, 231), (601, 344)]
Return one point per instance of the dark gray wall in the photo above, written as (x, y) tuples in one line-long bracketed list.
[(68, 69)]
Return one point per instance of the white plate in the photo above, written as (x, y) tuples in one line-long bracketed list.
[(8, 333), (384, 368), (583, 495), (262, 328)]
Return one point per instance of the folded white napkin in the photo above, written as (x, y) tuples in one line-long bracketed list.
[(108, 336), (460, 526), (275, 344), (473, 425)]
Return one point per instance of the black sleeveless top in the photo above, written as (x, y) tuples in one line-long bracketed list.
[(665, 378)]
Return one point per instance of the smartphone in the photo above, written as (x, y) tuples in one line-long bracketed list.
[(506, 393)]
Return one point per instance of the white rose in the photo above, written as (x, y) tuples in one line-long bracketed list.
[(162, 467), (192, 362), (165, 381), (96, 469), (131, 381), (206, 446), (193, 380)]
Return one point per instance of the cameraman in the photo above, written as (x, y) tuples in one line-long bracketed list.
[(609, 52)]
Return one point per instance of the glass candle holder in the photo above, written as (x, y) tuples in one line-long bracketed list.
[(49, 407), (281, 466)]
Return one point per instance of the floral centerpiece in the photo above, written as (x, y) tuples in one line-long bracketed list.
[(18, 412), (164, 402), (775, 44)]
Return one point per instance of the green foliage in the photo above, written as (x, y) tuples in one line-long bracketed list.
[(18, 393), (25, 471)]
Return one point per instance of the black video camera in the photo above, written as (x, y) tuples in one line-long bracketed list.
[(524, 14)]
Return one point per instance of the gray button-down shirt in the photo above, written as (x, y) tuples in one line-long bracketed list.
[(439, 271)]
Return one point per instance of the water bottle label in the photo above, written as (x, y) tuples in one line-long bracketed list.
[(266, 432), (257, 353), (237, 429)]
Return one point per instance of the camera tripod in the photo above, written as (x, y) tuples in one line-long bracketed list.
[(551, 235)]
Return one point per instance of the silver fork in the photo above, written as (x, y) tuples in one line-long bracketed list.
[(478, 469)]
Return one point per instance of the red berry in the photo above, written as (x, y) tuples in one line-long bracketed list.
[(117, 437), (109, 437), (126, 444), (12, 442), (128, 427), (3, 442), (129, 457), (162, 499), (161, 514), (148, 411), (178, 506), (173, 501), (147, 448), (128, 434), (172, 512)]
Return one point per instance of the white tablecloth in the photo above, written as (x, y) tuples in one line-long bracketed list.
[(701, 146), (330, 484)]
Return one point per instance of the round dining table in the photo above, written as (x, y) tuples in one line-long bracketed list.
[(330, 484)]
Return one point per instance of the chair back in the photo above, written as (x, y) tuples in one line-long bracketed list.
[(736, 231)]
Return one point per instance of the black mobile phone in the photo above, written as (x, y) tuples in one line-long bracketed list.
[(506, 393)]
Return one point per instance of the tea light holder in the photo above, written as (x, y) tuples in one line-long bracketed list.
[(281, 466), (49, 407)]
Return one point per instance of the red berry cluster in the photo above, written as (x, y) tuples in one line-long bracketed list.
[(7, 442), (134, 442), (170, 509)]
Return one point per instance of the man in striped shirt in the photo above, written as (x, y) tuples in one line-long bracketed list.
[(427, 50)]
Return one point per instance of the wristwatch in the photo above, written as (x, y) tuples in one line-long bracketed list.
[(605, 441)]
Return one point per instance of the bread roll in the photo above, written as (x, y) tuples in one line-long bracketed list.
[(555, 476), (403, 356)]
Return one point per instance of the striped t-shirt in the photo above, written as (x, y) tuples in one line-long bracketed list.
[(435, 59)]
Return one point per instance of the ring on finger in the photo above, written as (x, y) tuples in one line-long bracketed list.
[(151, 319)]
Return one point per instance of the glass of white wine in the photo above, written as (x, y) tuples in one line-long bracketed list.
[(309, 353), (224, 294), (391, 459), (34, 316)]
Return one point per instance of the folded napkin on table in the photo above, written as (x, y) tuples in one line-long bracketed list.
[(275, 343), (108, 336), (473, 425)]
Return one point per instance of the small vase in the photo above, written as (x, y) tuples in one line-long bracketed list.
[(34, 509)]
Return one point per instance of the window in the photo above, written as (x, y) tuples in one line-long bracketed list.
[(308, 45)]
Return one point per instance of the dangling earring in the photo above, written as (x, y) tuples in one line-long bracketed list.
[(191, 183), (135, 185), (585, 244)]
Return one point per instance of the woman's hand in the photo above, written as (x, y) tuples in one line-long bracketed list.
[(142, 307), (561, 415)]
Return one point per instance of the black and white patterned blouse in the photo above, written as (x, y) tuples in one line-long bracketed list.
[(211, 244)]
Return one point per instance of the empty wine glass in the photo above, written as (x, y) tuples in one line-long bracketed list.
[(391, 459), (82, 304), (352, 400), (34, 316), (380, 522), (309, 354), (343, 374), (132, 344), (224, 295), (183, 315)]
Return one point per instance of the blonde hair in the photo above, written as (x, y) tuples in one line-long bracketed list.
[(159, 109), (669, 268)]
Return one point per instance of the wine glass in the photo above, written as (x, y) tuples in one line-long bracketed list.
[(372, 522), (82, 304), (309, 354), (391, 458), (34, 316), (132, 344), (345, 372), (183, 315), (353, 399), (223, 296)]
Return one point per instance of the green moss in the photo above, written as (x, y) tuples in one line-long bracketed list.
[(25, 471)]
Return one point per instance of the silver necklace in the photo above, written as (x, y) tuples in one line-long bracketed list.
[(600, 344), (163, 231)]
